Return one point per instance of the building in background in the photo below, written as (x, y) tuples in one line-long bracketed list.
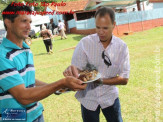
[(131, 15), (75, 8), (156, 3)]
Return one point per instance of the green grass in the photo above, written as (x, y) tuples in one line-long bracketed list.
[(138, 97)]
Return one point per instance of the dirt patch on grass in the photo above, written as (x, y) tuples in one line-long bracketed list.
[(67, 49)]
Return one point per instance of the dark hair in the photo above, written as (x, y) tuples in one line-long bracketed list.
[(10, 12), (59, 20), (106, 10)]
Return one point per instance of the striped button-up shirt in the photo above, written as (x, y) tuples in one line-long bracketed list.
[(89, 50)]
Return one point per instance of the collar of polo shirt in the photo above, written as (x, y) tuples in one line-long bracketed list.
[(7, 43)]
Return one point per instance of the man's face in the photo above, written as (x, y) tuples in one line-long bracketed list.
[(21, 26), (104, 27)]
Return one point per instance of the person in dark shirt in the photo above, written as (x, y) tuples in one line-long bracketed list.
[(51, 26)]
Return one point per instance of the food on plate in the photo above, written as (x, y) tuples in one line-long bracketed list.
[(88, 75)]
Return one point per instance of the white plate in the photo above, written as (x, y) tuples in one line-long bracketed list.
[(96, 78)]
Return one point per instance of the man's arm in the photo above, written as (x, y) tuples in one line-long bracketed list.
[(29, 95), (115, 81), (12, 81)]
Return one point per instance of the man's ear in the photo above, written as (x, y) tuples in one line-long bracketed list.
[(7, 23)]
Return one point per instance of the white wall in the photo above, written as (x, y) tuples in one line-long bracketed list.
[(1, 25), (157, 5), (147, 6)]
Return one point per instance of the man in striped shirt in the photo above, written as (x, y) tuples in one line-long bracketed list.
[(18, 87), (109, 54)]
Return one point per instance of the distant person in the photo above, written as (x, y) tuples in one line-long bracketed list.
[(133, 9), (121, 10), (61, 27), (51, 26), (45, 33)]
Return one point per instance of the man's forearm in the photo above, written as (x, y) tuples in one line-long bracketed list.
[(41, 92), (115, 81), (30, 95)]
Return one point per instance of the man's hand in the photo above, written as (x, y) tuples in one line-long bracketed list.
[(71, 71), (74, 83)]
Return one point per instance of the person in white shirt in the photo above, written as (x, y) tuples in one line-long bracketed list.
[(61, 27), (110, 55)]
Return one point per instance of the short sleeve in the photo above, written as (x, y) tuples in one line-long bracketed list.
[(9, 75), (79, 58), (125, 64)]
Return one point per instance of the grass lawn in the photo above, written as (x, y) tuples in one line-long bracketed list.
[(138, 98)]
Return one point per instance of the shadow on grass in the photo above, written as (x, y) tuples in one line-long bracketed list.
[(40, 54), (78, 38)]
